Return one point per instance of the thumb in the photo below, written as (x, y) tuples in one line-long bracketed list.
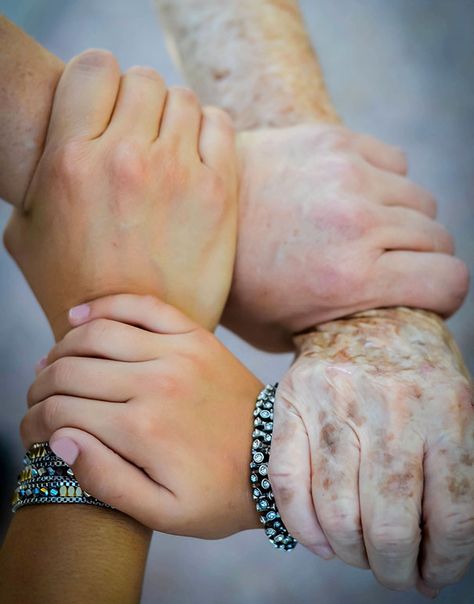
[(113, 480)]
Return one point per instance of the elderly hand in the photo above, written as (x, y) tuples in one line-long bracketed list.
[(136, 190), (373, 449), (159, 412), (330, 225)]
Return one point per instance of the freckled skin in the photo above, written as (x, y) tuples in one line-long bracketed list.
[(390, 425), (329, 438), (458, 487)]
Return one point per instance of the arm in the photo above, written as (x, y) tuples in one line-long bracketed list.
[(287, 89), (91, 184), (29, 75)]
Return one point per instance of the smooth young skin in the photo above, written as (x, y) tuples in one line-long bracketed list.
[(136, 185), (159, 413)]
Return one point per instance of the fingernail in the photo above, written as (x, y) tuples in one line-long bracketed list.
[(41, 364), (66, 449), (324, 552), (77, 314)]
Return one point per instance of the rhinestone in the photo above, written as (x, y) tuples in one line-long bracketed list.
[(271, 516), (256, 444), (263, 470), (265, 483), (269, 532), (44, 491), (267, 438), (268, 426), (264, 414), (253, 478), (258, 457), (53, 492), (268, 406), (262, 505), (278, 539), (257, 493)]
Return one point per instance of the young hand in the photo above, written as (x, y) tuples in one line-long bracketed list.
[(153, 413), (136, 191)]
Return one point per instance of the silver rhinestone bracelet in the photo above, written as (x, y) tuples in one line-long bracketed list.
[(261, 488)]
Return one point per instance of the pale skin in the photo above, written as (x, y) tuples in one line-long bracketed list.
[(285, 86)]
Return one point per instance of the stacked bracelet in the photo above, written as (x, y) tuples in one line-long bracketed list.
[(46, 478), (261, 487)]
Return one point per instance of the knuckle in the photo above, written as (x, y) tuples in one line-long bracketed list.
[(399, 539), (50, 410), (343, 526), (127, 164), (67, 162), (457, 529), (59, 372)]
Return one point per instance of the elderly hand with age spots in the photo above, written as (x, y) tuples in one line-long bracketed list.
[(373, 449)]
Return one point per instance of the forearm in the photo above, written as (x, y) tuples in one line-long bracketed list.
[(28, 75), (254, 59), (92, 544), (270, 76), (58, 553)]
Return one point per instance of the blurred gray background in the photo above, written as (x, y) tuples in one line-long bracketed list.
[(402, 70)]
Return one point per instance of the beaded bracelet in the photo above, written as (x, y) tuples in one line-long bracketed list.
[(46, 478), (261, 488)]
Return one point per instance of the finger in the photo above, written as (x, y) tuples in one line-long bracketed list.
[(146, 312), (381, 155), (406, 229), (435, 282), (181, 121), (290, 475), (139, 106), (395, 190), (113, 480), (88, 378), (85, 97), (217, 142), (391, 487), (336, 490), (101, 418), (448, 533), (106, 339)]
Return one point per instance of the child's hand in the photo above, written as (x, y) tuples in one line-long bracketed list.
[(153, 413), (136, 191)]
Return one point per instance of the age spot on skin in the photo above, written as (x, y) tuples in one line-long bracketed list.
[(329, 438), (399, 485), (322, 416), (467, 459), (327, 482), (458, 487), (353, 414)]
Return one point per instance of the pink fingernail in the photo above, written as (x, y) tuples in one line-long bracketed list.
[(66, 449), (78, 314), (41, 364)]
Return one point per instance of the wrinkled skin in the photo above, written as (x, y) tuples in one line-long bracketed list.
[(136, 189), (374, 437), (330, 225), (137, 382)]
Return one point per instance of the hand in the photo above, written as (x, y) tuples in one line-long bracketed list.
[(330, 225), (136, 190), (160, 417), (373, 449)]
